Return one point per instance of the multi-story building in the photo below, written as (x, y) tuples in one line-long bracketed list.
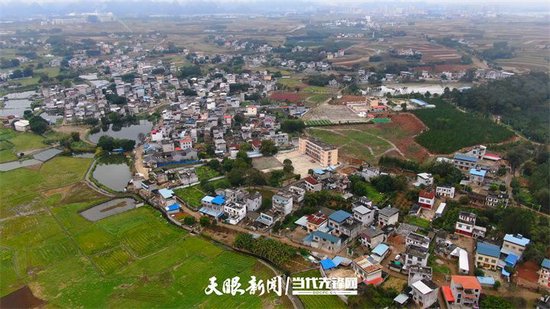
[(388, 216), (364, 215), (322, 240), (424, 293), (417, 240), (424, 179), (323, 153), (514, 244), (416, 256), (235, 212), (466, 225), (253, 201), (367, 270), (418, 273), (372, 236), (487, 255), (463, 291), (282, 202), (315, 221), (544, 273), (477, 176), (445, 192), (426, 199), (312, 184), (464, 162), (342, 223)]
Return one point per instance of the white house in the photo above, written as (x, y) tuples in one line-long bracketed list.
[(388, 216), (235, 212), (417, 240), (363, 215), (416, 256), (424, 179), (253, 201), (448, 192), (21, 125), (282, 202), (424, 293)]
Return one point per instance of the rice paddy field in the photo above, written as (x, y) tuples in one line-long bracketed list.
[(134, 259), (12, 143)]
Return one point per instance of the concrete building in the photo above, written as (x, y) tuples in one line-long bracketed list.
[(544, 273), (424, 293), (463, 291), (487, 255), (363, 215), (282, 202), (388, 216), (514, 244), (448, 192), (323, 153)]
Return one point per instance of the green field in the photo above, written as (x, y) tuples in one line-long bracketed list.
[(134, 259), (191, 195), (204, 172), (359, 144), (451, 129), (12, 143), (420, 222), (319, 301), (317, 123)]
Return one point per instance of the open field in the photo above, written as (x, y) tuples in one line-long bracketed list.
[(133, 259), (204, 172), (191, 195), (319, 301), (13, 143), (370, 141), (451, 129)]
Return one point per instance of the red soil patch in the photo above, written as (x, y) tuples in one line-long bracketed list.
[(290, 97), (528, 271), (412, 126)]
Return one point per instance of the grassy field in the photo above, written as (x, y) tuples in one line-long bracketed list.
[(420, 222), (451, 129), (133, 259), (191, 195), (319, 301), (12, 143), (358, 144), (205, 172)]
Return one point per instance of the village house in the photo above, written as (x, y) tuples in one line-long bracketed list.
[(364, 215), (372, 236), (322, 240), (424, 293), (418, 273), (253, 201), (464, 162), (282, 202), (235, 212), (312, 184), (388, 216), (514, 244), (367, 270), (463, 291), (424, 179), (445, 192), (212, 206), (466, 225), (487, 255), (166, 196), (477, 176), (426, 199), (342, 223), (416, 256), (417, 240), (544, 273), (316, 221)]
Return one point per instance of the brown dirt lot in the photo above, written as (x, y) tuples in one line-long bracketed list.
[(528, 272)]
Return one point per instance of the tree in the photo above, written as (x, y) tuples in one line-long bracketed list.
[(404, 107), (75, 136), (490, 301), (204, 221), (38, 124), (287, 166), (268, 148), (189, 220), (293, 126)]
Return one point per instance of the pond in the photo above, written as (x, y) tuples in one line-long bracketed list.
[(109, 208), (129, 132), (417, 87), (113, 176), (15, 107)]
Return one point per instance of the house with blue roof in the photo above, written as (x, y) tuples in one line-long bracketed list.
[(212, 206), (322, 240), (465, 162), (380, 252), (544, 273), (343, 223), (487, 255), (514, 244), (174, 208), (477, 176)]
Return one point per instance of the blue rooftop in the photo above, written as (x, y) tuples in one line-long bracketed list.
[(327, 264), (419, 102), (487, 281), (211, 212), (326, 236), (479, 173), (173, 207), (218, 200), (463, 157), (488, 249), (166, 193), (545, 263), (339, 216), (517, 239), (318, 171), (381, 249), (511, 260)]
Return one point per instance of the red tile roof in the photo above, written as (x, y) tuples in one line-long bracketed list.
[(448, 294), (317, 218), (311, 180), (467, 282), (427, 194)]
